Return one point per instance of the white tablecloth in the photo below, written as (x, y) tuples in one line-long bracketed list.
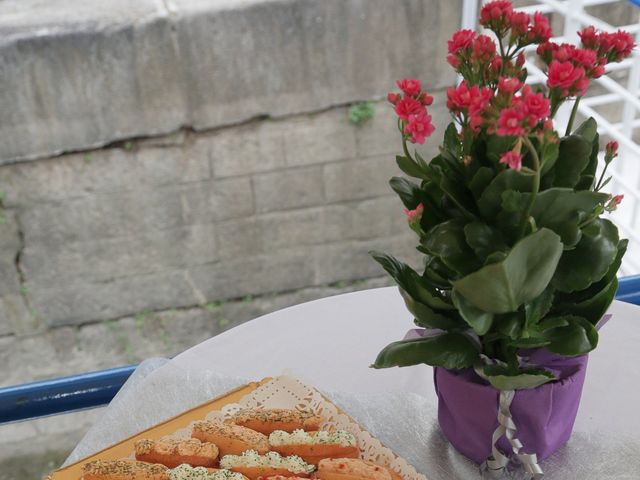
[(331, 342)]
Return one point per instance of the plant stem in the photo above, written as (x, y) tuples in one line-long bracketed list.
[(604, 170), (574, 110), (406, 150), (535, 186), (404, 141)]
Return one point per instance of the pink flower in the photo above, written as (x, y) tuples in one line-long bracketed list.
[(410, 86), (614, 202), (484, 48), (461, 40), (589, 37), (393, 98), (408, 106), (510, 122), (545, 51), (458, 98), (565, 76), (496, 64), (519, 23), (610, 151), (563, 52), (419, 127), (425, 99), (621, 45), (496, 14), (480, 100), (414, 216), (512, 159), (540, 30), (536, 105), (453, 60), (584, 57), (509, 85)]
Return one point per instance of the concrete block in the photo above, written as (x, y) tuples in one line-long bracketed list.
[(304, 55), (256, 147), (129, 213), (288, 189), (277, 271), (77, 303), (319, 138), (77, 77), (108, 258), (101, 171), (358, 179), (350, 260)]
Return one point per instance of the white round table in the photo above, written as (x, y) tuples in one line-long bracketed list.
[(331, 342)]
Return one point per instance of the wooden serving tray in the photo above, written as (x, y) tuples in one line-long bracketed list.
[(124, 448)]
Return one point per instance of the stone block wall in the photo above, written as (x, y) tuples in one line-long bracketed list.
[(180, 221), (164, 161)]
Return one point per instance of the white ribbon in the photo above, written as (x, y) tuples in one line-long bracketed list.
[(498, 462)]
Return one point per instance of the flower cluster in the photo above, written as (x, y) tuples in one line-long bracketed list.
[(492, 98), (570, 67), (411, 107), (523, 30)]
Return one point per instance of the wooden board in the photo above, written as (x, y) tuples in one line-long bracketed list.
[(124, 448)]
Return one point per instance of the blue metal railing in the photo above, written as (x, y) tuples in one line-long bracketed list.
[(88, 390), (64, 394)]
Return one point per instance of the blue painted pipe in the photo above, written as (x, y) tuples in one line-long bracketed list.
[(64, 394), (629, 289)]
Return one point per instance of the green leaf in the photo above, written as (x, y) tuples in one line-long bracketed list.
[(539, 306), (477, 319), (590, 260), (452, 140), (509, 325), (587, 178), (578, 337), (561, 210), (480, 180), (594, 307), (552, 322), (411, 168), (490, 201), (549, 156), (513, 201), (502, 378), (483, 239), (426, 317), (572, 160), (502, 287), (410, 193), (587, 130), (447, 241), (450, 350), (529, 342), (409, 281), (459, 195), (497, 145)]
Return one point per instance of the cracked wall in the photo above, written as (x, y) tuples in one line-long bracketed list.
[(181, 221)]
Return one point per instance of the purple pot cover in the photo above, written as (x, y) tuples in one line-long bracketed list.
[(544, 416)]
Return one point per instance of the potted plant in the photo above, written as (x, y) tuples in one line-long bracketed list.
[(520, 260)]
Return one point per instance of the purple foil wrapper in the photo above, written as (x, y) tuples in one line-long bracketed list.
[(544, 416)]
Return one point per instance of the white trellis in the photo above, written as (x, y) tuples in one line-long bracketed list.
[(620, 90)]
